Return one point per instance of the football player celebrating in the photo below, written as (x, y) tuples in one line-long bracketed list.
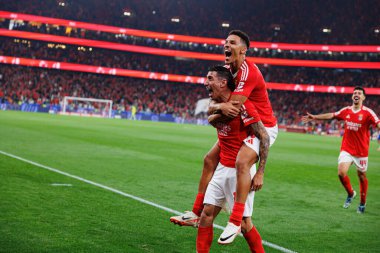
[(355, 143)]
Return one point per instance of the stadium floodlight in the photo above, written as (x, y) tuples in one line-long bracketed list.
[(91, 107), (175, 19), (326, 30)]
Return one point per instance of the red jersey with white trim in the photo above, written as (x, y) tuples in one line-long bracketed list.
[(250, 83), (356, 129), (232, 134)]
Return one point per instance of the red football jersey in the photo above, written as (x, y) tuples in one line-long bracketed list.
[(250, 83), (232, 134), (356, 129)]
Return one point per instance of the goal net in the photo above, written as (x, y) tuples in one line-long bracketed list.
[(91, 107)]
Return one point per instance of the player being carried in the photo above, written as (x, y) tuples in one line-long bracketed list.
[(250, 86), (357, 121), (221, 188)]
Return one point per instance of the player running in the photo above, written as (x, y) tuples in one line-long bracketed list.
[(221, 188), (357, 121), (250, 85)]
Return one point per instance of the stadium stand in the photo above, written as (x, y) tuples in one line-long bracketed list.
[(47, 87)]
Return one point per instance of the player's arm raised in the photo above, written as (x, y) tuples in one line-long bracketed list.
[(309, 117), (261, 133), (230, 109)]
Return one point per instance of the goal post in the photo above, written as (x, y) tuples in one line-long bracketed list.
[(87, 107)]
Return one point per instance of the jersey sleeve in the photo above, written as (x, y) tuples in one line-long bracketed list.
[(374, 120), (340, 114), (249, 114), (247, 82)]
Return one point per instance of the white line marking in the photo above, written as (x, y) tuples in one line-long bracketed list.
[(269, 244), (56, 184)]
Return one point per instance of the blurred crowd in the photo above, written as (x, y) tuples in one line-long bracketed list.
[(186, 46), (264, 20), (33, 85), (309, 22), (172, 65)]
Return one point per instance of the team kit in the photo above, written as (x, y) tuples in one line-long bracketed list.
[(233, 169)]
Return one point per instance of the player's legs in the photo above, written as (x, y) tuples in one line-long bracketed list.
[(363, 181), (205, 229), (210, 161), (345, 160), (251, 235), (244, 161), (345, 180), (213, 201)]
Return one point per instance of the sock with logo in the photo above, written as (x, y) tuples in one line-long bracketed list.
[(237, 213), (204, 239), (254, 241), (347, 184), (198, 204), (363, 191)]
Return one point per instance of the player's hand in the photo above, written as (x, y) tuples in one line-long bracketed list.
[(307, 118), (257, 181), (230, 109)]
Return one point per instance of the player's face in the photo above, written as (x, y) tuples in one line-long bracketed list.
[(358, 97), (233, 49), (212, 85)]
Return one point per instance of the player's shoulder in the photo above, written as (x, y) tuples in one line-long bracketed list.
[(250, 66), (249, 70), (344, 109), (368, 110)]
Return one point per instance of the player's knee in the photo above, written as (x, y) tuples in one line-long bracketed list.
[(242, 166), (362, 176), (342, 173), (207, 216)]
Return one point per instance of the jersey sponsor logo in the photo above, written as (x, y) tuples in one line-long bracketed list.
[(223, 129), (353, 125)]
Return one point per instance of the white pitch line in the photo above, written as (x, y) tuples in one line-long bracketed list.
[(269, 244)]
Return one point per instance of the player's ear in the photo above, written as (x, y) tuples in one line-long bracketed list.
[(244, 50)]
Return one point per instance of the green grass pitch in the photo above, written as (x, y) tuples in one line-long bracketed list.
[(299, 208)]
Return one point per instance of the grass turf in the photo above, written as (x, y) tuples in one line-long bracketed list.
[(299, 208)]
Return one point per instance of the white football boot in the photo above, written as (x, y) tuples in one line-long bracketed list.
[(187, 219), (229, 234)]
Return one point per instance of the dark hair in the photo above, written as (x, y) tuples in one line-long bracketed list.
[(242, 35), (224, 73), (359, 88)]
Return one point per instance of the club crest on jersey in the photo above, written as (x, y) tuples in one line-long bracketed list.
[(348, 116), (360, 117)]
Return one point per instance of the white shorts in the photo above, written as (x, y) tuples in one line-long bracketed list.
[(360, 162), (221, 189), (254, 142)]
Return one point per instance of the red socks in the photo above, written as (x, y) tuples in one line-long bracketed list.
[(254, 241), (237, 213), (363, 191), (204, 239), (347, 185), (198, 204)]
